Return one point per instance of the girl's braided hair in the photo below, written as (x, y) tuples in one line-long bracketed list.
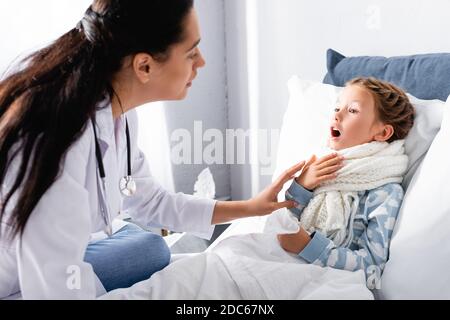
[(391, 104)]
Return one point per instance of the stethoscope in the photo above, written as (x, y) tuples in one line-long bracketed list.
[(127, 185)]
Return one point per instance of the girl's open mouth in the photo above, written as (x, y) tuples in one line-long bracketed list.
[(335, 133)]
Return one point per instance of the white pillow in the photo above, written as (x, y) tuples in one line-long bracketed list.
[(306, 125), (427, 123), (419, 264)]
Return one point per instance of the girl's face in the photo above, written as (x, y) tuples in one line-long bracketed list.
[(171, 79), (355, 120)]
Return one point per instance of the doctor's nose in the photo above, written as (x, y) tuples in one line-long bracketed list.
[(201, 60)]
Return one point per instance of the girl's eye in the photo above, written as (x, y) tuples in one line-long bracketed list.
[(351, 110), (336, 109)]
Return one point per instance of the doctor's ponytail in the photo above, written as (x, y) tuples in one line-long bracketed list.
[(46, 104)]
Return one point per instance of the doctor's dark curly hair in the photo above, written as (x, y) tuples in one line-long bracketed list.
[(46, 104), (392, 105)]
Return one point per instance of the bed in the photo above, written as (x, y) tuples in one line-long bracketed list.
[(423, 219)]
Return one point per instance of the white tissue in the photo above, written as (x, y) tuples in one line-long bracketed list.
[(205, 187), (281, 221)]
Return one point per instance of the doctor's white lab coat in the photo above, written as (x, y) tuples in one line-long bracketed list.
[(43, 263)]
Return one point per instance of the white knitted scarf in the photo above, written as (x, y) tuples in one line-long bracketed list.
[(334, 205)]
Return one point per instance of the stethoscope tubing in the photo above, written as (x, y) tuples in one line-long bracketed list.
[(101, 176)]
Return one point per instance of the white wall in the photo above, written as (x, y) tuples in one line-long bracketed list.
[(293, 36), (238, 87), (207, 100), (28, 25)]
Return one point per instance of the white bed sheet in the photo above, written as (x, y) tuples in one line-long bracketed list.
[(241, 266)]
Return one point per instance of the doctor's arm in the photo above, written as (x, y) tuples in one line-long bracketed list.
[(264, 203), (156, 207)]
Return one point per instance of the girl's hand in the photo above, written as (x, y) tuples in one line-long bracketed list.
[(294, 242), (319, 170), (266, 202)]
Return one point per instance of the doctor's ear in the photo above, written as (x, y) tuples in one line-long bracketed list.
[(143, 65), (385, 134)]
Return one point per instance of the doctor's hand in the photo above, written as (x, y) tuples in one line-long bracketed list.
[(266, 202)]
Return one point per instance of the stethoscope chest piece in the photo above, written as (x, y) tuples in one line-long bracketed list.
[(127, 186)]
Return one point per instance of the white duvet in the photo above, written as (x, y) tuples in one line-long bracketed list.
[(250, 267)]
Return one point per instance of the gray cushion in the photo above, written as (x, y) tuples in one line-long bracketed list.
[(426, 76)]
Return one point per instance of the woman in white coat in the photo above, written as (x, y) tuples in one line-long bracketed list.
[(69, 161)]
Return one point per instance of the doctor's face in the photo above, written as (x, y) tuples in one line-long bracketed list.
[(173, 77)]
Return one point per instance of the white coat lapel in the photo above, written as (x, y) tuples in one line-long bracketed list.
[(105, 123)]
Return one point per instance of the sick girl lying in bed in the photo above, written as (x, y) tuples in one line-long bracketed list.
[(335, 242), (347, 211)]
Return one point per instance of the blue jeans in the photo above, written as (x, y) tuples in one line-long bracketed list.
[(127, 257)]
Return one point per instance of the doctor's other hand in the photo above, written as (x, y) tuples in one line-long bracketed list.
[(266, 202)]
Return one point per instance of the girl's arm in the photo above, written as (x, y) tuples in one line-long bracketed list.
[(301, 196), (381, 209)]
